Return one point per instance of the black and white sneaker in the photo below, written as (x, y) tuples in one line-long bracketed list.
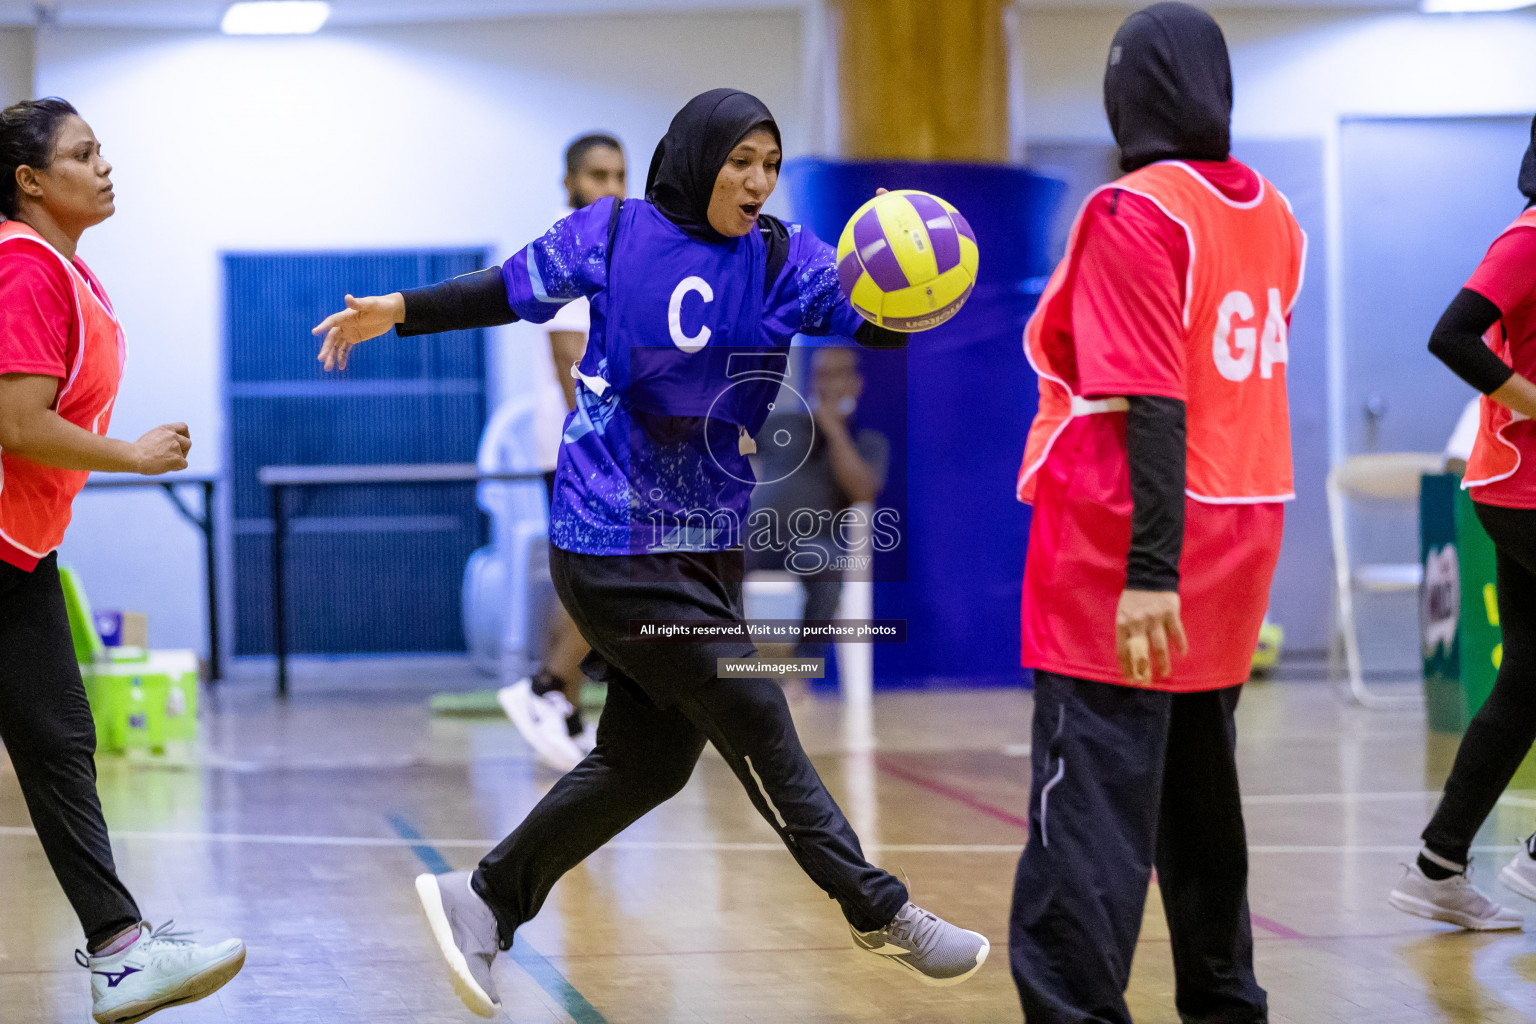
[(541, 720)]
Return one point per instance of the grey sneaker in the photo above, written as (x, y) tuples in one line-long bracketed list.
[(465, 930), (1520, 873), (1454, 900), (162, 968), (938, 952)]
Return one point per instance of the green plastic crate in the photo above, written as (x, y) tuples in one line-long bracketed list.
[(140, 700)]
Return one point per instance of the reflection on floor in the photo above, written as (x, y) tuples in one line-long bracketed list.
[(300, 825)]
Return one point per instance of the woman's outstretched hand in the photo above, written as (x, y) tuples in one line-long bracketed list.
[(363, 318)]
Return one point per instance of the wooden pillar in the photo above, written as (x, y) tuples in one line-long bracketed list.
[(922, 79)]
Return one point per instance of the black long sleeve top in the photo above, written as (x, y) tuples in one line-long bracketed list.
[(1457, 341), (1156, 450)]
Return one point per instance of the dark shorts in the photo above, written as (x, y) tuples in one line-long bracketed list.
[(603, 593), (549, 485)]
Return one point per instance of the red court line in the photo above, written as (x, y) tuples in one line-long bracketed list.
[(1275, 928), (949, 792)]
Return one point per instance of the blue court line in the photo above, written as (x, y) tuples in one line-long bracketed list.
[(523, 954), (424, 851)]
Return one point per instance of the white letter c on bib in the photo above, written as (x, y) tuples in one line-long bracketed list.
[(675, 314)]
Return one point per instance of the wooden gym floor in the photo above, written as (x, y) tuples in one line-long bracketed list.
[(300, 826)]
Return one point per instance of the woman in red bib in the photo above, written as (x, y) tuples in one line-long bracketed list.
[(61, 357), (1488, 337), (1157, 465)]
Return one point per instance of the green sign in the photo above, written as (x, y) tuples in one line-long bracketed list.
[(1458, 610)]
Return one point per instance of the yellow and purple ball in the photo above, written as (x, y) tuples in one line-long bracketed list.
[(907, 261)]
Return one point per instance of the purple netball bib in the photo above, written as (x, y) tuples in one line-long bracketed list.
[(687, 350)]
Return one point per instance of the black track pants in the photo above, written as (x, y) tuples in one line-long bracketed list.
[(649, 738), (45, 723), (1125, 780)]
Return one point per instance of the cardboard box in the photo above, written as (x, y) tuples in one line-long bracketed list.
[(123, 629)]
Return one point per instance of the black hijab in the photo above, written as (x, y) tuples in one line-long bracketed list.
[(1168, 87), (1528, 169), (689, 158)]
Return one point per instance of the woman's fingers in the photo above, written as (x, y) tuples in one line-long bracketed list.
[(1157, 640), (334, 351), (1176, 633), (1148, 633), (1131, 648), (1138, 658), (333, 321)]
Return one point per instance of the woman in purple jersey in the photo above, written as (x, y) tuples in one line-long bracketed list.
[(688, 288)]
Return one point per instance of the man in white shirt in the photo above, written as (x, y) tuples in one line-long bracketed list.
[(546, 707)]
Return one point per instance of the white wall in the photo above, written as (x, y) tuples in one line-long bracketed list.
[(15, 65), (445, 135), (1296, 72)]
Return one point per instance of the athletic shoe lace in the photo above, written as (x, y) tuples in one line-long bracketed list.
[(918, 929), (165, 935)]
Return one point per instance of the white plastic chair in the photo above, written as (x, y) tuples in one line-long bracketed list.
[(502, 604), (1388, 477)]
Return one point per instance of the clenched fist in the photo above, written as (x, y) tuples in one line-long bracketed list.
[(162, 450)]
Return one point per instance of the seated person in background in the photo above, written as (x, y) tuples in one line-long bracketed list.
[(845, 466)]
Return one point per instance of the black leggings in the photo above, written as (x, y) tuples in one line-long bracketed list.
[(45, 723), (647, 748), (1503, 730)]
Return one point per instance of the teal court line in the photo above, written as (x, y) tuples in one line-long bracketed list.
[(522, 952)]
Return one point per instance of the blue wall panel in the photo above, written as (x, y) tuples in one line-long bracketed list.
[(968, 395), (369, 569)]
